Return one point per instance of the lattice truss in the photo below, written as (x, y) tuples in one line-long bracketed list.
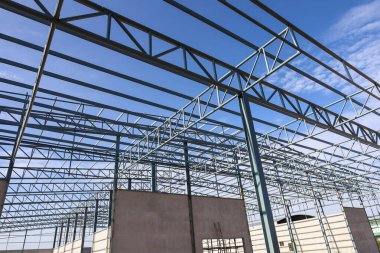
[(64, 137)]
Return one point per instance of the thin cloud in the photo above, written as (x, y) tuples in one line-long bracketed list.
[(362, 18)]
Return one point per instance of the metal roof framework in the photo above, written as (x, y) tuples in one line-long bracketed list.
[(59, 148)]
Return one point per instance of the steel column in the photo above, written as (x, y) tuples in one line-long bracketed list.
[(96, 214), (129, 183), (110, 205), (23, 244), (261, 191), (60, 235), (288, 218), (114, 190), (316, 205), (55, 237), (154, 177), (75, 226), (84, 229), (239, 176), (67, 230), (189, 198)]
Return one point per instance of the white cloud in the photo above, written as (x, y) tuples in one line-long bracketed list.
[(362, 18), (356, 38)]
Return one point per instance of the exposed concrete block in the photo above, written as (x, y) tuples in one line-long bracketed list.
[(361, 230), (220, 218), (159, 222), (150, 222)]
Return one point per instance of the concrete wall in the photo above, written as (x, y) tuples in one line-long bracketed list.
[(158, 222), (150, 222), (361, 230), (220, 218)]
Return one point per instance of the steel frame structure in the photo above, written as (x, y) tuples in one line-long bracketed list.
[(63, 153)]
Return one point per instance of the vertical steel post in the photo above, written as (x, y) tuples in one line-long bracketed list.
[(340, 199), (189, 198), (288, 218), (55, 237), (217, 185), (96, 214), (84, 229), (75, 226), (23, 244), (116, 168), (110, 208), (114, 190), (129, 183), (261, 191), (319, 215), (239, 176), (115, 179), (327, 223), (67, 230), (60, 235), (154, 177)]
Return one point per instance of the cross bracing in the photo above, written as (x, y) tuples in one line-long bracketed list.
[(60, 135)]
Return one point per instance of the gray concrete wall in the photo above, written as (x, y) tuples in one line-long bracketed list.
[(361, 230), (158, 222), (217, 218), (150, 222)]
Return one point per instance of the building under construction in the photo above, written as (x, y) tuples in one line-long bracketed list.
[(121, 137)]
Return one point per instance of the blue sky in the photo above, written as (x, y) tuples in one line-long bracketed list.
[(321, 19), (349, 27)]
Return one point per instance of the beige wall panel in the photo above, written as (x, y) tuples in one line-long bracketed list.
[(309, 235), (100, 242)]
